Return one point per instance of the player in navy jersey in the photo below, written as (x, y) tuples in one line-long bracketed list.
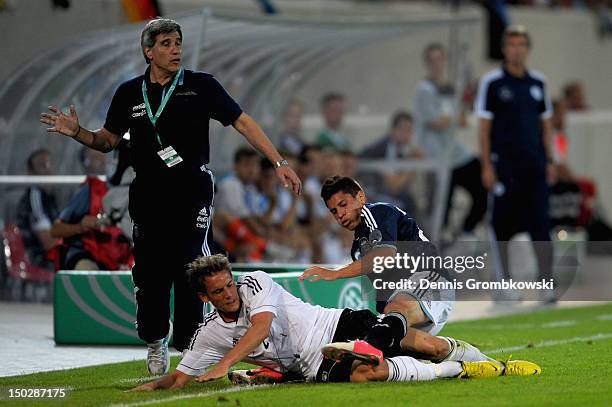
[(412, 317)]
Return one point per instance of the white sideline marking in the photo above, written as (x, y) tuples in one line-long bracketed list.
[(137, 379), (233, 389), (605, 317), (554, 342), (559, 324)]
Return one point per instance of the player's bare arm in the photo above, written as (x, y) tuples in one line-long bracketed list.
[(68, 125), (249, 128), (251, 340), (354, 269), (174, 380)]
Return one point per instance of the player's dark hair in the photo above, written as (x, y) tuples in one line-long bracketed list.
[(35, 154), (205, 266), (337, 183), (244, 152), (153, 29), (400, 116)]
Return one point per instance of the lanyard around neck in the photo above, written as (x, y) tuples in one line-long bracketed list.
[(162, 105)]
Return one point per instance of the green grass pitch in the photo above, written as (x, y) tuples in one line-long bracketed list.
[(573, 346)]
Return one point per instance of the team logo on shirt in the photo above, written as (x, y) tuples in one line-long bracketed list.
[(536, 93), (505, 94)]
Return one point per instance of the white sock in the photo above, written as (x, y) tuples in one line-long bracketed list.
[(407, 369), (447, 369), (462, 351)]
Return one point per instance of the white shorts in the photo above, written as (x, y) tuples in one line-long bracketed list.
[(437, 305)]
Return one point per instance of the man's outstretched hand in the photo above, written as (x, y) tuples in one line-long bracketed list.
[(317, 273), (215, 373), (61, 123)]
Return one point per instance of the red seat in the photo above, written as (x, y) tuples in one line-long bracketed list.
[(17, 263)]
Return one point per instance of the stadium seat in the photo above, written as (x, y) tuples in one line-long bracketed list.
[(18, 266)]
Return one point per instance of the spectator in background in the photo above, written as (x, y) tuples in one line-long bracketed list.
[(349, 163), (290, 138), (237, 192), (398, 144), (435, 111), (239, 202), (333, 135), (286, 241), (36, 210), (92, 242), (573, 198), (116, 201), (574, 96)]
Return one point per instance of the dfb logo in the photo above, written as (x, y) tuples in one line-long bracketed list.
[(350, 296)]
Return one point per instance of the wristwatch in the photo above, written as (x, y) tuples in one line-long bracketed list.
[(281, 163)]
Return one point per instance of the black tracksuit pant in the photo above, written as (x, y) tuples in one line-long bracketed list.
[(522, 205), (170, 232)]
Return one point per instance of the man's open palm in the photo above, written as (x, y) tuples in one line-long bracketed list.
[(68, 125)]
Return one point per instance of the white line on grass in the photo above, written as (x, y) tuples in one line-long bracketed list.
[(141, 379), (555, 342), (226, 390)]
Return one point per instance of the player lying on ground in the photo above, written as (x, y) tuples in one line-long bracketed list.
[(259, 322), (411, 318)]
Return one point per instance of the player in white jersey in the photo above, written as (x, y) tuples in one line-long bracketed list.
[(257, 321)]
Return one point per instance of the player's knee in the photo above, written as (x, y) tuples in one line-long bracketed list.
[(408, 307)]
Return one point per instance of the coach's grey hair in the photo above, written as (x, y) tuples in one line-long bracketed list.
[(153, 29), (205, 266)]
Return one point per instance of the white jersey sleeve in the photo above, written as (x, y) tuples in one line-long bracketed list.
[(203, 351), (258, 293)]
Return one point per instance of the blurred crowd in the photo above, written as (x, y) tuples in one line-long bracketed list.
[(257, 220)]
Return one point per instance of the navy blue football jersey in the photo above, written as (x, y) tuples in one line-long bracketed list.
[(381, 225)]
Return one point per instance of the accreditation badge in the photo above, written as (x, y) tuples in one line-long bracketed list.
[(169, 156)]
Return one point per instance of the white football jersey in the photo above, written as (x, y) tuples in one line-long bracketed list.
[(297, 333)]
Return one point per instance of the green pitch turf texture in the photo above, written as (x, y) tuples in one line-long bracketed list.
[(573, 346)]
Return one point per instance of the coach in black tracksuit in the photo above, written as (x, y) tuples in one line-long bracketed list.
[(167, 112), (515, 131)]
